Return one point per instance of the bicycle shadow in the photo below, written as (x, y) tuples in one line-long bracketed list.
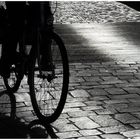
[(13, 127)]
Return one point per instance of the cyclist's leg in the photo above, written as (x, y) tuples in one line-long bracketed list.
[(46, 60), (46, 39), (8, 52)]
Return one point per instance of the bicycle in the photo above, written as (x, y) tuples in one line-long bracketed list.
[(48, 93)]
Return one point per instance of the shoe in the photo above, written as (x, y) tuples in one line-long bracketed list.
[(47, 70)]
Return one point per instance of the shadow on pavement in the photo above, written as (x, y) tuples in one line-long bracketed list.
[(13, 127)]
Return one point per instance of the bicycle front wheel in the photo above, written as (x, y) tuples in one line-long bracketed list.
[(48, 94)]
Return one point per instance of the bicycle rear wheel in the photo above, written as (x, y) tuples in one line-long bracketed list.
[(48, 94)]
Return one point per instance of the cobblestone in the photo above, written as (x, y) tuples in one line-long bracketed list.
[(112, 136), (79, 93), (84, 123), (105, 120), (115, 129), (126, 118), (97, 92), (89, 132), (131, 134), (81, 113), (73, 134), (106, 111)]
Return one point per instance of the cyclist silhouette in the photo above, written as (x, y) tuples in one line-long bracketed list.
[(35, 15)]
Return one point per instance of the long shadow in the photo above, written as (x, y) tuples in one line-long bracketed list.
[(13, 127)]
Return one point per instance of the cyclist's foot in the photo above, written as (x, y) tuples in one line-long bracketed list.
[(47, 69)]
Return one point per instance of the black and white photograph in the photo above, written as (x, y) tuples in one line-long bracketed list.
[(70, 69)]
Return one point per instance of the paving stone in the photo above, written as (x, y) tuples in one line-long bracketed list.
[(84, 123), (93, 79), (76, 79), (104, 86), (136, 114), (22, 97), (24, 109), (134, 103), (129, 109), (79, 93), (90, 132), (136, 125), (132, 90), (89, 137), (63, 116), (77, 99), (126, 77), (27, 114), (126, 118), (74, 104), (83, 73), (127, 85), (81, 114), (116, 101), (91, 103), (116, 106), (112, 82), (99, 98), (116, 91), (23, 90), (105, 111), (126, 96), (29, 119), (97, 92), (88, 84), (86, 87), (104, 120), (61, 121), (131, 134), (67, 110), (112, 136), (115, 129), (62, 127), (68, 135), (91, 108), (20, 104)]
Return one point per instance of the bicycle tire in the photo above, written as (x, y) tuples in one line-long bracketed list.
[(34, 92), (13, 82)]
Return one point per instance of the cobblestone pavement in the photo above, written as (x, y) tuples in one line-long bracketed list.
[(104, 90), (94, 12), (103, 99)]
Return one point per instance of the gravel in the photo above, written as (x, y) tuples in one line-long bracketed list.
[(94, 12)]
